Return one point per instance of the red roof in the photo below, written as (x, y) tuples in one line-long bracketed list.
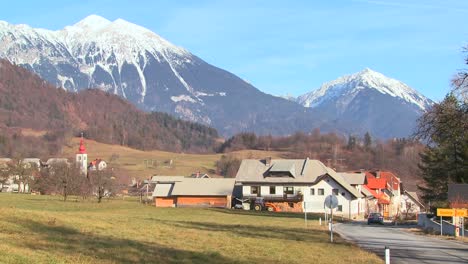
[(381, 197), (82, 149), (375, 183), (393, 180)]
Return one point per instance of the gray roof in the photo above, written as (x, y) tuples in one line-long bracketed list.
[(181, 186), (366, 192), (204, 186), (354, 178), (284, 166), (458, 192), (414, 197), (156, 179), (305, 171), (162, 190)]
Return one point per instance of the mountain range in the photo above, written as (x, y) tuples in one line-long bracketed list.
[(369, 100), (136, 64)]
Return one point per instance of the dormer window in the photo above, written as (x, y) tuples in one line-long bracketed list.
[(282, 169)]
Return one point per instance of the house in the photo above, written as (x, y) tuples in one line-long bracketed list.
[(295, 184), (380, 200), (97, 165), (358, 180), (52, 161), (199, 175), (410, 204), (385, 186), (180, 191), (458, 195)]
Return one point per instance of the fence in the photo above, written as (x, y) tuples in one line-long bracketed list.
[(429, 224)]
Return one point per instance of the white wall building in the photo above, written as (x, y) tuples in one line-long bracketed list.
[(300, 184)]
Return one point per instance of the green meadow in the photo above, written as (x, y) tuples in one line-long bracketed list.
[(44, 229)]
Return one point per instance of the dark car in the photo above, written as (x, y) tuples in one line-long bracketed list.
[(375, 218)]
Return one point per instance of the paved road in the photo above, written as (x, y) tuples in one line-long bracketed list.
[(405, 247)]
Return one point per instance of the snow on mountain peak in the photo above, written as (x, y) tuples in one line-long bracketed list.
[(93, 22), (351, 85)]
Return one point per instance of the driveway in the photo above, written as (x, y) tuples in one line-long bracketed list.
[(405, 247)]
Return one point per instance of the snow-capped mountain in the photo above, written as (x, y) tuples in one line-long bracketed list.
[(377, 103), (137, 64)]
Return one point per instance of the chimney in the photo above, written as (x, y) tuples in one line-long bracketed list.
[(268, 161), (377, 174), (198, 174)]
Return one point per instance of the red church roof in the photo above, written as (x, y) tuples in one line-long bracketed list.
[(82, 149)]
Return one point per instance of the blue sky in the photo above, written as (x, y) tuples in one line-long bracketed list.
[(291, 47)]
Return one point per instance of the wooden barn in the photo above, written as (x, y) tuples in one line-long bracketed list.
[(179, 191)]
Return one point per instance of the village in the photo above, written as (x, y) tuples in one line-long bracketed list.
[(275, 185)]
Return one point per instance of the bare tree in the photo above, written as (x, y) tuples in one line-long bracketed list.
[(102, 183), (62, 178), (20, 172), (460, 80)]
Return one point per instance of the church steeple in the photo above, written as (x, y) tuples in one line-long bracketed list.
[(82, 157), (82, 149)]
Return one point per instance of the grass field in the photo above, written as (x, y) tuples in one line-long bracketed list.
[(133, 161), (43, 229)]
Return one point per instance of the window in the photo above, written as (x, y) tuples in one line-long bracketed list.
[(254, 189), (340, 208), (335, 191), (312, 191), (288, 190), (272, 189), (321, 192)]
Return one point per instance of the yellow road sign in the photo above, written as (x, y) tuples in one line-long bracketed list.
[(460, 212), (445, 212)]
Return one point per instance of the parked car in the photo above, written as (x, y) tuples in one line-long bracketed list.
[(375, 218)]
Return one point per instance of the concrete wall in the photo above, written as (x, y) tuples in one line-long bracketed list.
[(447, 227)]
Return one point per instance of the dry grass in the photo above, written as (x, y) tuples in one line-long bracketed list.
[(32, 133), (420, 231), (133, 161), (42, 229)]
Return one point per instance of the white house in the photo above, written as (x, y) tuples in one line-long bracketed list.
[(358, 180), (97, 164), (410, 204), (295, 184)]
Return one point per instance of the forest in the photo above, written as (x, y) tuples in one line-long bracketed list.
[(28, 102)]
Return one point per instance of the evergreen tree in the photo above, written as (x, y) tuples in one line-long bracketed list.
[(367, 140), (445, 160), (351, 142)]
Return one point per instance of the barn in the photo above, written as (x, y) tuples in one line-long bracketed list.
[(179, 191)]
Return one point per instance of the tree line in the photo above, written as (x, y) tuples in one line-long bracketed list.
[(60, 178)]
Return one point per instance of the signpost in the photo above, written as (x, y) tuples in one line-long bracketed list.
[(331, 202), (444, 212), (451, 212)]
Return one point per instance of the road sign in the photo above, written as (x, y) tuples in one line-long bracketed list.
[(331, 201), (445, 212), (461, 212)]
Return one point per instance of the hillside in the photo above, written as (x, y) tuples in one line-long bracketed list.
[(131, 162), (29, 102)]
